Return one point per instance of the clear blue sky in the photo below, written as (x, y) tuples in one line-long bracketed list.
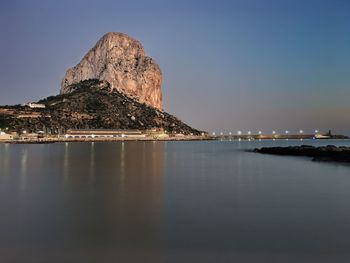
[(227, 65)]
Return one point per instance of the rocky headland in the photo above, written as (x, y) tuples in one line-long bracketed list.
[(328, 153), (114, 86), (91, 104)]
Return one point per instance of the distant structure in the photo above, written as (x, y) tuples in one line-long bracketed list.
[(321, 136), (4, 136), (103, 133), (328, 135), (34, 105)]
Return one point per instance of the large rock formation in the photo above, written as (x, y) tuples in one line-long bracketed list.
[(121, 61)]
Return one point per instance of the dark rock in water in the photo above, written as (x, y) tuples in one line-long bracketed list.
[(323, 153), (91, 104)]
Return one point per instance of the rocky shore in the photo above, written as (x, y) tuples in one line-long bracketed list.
[(328, 153)]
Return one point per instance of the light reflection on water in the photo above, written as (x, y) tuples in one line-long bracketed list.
[(66, 162), (92, 163), (24, 168), (171, 202)]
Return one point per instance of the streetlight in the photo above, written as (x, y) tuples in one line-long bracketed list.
[(273, 132), (213, 133), (301, 131), (221, 133), (239, 132), (230, 133), (260, 132), (316, 131), (249, 132)]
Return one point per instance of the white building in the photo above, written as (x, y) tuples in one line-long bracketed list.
[(5, 136), (103, 133), (35, 105)]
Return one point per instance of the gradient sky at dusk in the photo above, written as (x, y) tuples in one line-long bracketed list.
[(227, 65)]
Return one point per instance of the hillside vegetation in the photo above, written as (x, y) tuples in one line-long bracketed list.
[(91, 105)]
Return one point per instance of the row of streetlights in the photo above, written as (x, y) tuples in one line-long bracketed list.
[(260, 132)]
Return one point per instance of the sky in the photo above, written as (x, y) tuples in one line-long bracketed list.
[(227, 65)]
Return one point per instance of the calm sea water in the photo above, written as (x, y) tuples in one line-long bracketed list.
[(156, 202)]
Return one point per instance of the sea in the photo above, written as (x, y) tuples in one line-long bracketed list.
[(171, 201)]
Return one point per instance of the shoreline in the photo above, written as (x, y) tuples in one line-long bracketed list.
[(60, 140), (118, 139)]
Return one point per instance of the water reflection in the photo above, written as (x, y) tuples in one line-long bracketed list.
[(92, 163), (66, 163), (167, 202), (119, 203), (24, 168), (4, 159), (122, 168)]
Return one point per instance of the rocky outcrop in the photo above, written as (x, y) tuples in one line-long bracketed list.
[(121, 61), (322, 153)]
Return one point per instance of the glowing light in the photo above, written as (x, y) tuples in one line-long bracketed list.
[(273, 132), (213, 133), (249, 132), (239, 132), (260, 132), (287, 132), (301, 131)]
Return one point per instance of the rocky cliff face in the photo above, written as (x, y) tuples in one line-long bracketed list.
[(121, 61)]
